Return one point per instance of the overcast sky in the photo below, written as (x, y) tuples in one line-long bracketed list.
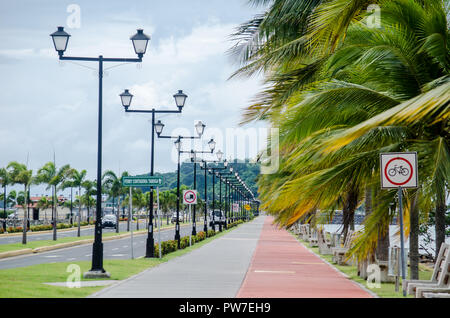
[(51, 106)]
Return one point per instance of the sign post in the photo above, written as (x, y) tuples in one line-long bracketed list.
[(159, 221), (190, 198), (398, 170), (131, 220)]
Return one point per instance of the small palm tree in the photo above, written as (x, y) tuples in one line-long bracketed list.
[(113, 185), (77, 178), (53, 177), (20, 174), (90, 190)]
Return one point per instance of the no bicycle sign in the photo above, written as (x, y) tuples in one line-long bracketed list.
[(190, 197), (398, 170)]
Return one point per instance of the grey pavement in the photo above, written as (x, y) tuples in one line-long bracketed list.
[(216, 270)]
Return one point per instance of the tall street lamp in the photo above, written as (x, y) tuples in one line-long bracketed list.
[(199, 129), (60, 41), (212, 170), (180, 99), (192, 156)]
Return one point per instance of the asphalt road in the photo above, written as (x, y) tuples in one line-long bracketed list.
[(115, 249), (71, 233)]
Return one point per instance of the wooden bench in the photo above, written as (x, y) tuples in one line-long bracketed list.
[(324, 244), (313, 238), (440, 280), (339, 252)]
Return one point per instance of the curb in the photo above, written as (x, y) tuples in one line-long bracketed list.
[(69, 244), (16, 253)]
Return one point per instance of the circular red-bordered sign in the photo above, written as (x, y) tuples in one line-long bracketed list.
[(386, 174), (193, 199)]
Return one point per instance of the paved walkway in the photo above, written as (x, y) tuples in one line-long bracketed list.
[(254, 260), (216, 270), (283, 268)]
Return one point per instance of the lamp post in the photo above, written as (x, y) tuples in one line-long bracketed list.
[(192, 155), (60, 41), (199, 128), (180, 100), (212, 170), (222, 177)]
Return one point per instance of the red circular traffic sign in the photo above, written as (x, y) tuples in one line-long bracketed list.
[(400, 170), (194, 197)]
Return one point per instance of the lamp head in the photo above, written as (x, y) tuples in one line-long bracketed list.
[(60, 40), (180, 99), (200, 128), (140, 42), (159, 126), (126, 98)]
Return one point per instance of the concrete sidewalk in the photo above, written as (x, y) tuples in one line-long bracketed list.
[(281, 267), (216, 270)]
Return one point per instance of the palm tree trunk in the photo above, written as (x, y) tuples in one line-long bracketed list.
[(79, 212), (350, 202), (440, 219), (24, 233), (55, 218), (414, 237), (118, 211)]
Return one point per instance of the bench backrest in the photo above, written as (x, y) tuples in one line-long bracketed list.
[(442, 267)]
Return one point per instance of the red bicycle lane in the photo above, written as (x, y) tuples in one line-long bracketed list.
[(282, 267)]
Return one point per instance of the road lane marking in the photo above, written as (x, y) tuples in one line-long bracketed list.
[(275, 272), (52, 256), (305, 263)]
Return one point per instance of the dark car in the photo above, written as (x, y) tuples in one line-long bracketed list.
[(109, 221)]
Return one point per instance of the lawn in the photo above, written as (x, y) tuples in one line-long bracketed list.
[(27, 282), (387, 290)]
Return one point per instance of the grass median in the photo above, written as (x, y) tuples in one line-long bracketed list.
[(386, 290), (28, 282)]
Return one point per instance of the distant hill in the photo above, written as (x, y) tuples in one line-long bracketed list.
[(247, 171)]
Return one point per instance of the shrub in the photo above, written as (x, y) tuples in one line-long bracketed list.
[(168, 247), (1, 230), (200, 236), (184, 242), (211, 233), (15, 230)]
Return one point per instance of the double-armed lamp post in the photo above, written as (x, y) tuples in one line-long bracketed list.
[(180, 99), (199, 127), (60, 41), (192, 155), (213, 170)]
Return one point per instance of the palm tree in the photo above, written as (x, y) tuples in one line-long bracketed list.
[(44, 203), (335, 77), (53, 177), (113, 185), (4, 181), (77, 178), (20, 174), (90, 190)]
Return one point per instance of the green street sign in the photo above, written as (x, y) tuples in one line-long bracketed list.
[(142, 181)]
